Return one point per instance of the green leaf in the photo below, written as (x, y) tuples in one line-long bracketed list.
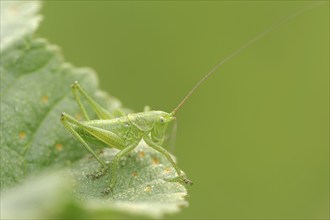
[(50, 202), (143, 184), (35, 89), (18, 19)]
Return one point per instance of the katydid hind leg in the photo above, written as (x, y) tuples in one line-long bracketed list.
[(105, 136), (164, 152), (78, 91), (100, 172), (68, 123), (69, 127)]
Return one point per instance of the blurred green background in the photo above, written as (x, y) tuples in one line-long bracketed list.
[(255, 137)]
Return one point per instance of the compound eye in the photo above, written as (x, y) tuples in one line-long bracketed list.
[(161, 119)]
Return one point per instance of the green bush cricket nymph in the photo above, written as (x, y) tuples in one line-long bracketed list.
[(126, 131)]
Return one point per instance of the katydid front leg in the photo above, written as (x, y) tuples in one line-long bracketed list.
[(164, 152), (114, 164)]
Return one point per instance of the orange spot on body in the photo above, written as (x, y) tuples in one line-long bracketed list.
[(22, 135), (155, 161), (134, 174), (44, 99), (59, 147)]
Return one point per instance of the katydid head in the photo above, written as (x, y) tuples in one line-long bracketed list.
[(153, 123), (161, 121)]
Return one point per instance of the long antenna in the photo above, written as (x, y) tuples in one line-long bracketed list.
[(237, 51)]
